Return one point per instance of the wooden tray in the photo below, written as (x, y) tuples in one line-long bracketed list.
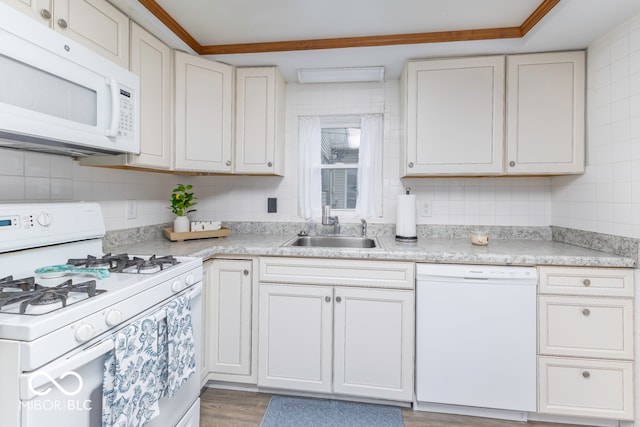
[(190, 235)]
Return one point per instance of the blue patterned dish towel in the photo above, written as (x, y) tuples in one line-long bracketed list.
[(131, 381), (179, 345), (151, 359)]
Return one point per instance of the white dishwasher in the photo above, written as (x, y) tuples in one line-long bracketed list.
[(476, 337)]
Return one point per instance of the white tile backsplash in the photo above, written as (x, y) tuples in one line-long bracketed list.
[(604, 199)]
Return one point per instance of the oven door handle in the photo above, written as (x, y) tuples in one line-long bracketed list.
[(32, 383)]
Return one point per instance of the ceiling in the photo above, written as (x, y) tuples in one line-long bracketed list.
[(297, 34)]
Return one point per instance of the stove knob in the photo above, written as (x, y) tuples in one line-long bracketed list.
[(113, 317), (177, 286), (84, 332), (44, 219), (190, 280)]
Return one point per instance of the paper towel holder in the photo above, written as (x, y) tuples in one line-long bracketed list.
[(412, 237)]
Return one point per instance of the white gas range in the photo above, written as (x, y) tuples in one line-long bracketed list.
[(63, 303)]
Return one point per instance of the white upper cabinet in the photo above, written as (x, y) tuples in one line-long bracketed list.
[(260, 96), (203, 114), (454, 116), (456, 120), (95, 24), (151, 61), (545, 113)]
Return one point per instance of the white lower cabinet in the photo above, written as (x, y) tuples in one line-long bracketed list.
[(586, 342), (586, 387), (230, 310), (295, 337), (346, 340), (373, 339), (370, 330)]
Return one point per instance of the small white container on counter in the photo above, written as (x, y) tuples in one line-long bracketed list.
[(205, 225)]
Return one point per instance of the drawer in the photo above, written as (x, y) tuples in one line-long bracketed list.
[(586, 327), (317, 271), (616, 282), (585, 387)]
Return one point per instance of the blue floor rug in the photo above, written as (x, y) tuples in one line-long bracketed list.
[(302, 412)]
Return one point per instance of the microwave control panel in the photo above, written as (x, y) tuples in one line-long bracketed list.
[(126, 114)]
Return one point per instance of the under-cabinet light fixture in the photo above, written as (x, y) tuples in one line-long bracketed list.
[(341, 75)]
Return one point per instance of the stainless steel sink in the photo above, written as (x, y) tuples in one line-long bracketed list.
[(334, 242)]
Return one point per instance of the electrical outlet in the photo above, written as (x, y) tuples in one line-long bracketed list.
[(425, 209), (272, 205), (131, 209)]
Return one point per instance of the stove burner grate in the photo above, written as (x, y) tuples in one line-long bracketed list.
[(24, 284), (123, 263), (43, 295), (112, 262)]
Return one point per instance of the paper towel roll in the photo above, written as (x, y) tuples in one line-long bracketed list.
[(406, 218)]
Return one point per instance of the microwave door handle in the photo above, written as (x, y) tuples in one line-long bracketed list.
[(112, 131), (31, 383)]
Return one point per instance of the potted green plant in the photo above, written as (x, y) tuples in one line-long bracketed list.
[(181, 200)]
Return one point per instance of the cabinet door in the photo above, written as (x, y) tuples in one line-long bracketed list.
[(229, 328), (259, 121), (151, 61), (454, 116), (373, 341), (40, 10), (545, 113), (295, 337), (203, 106), (586, 327), (585, 387), (96, 24)]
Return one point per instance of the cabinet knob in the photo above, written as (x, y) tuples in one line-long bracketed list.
[(228, 163), (410, 164), (327, 299), (245, 272), (269, 164), (586, 282), (338, 299), (586, 374), (512, 163), (62, 23), (45, 13), (586, 312)]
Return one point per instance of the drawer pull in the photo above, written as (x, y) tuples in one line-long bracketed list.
[(586, 282), (327, 299), (586, 312), (586, 374), (245, 272), (338, 299)]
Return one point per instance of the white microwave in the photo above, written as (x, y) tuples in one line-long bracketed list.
[(59, 97)]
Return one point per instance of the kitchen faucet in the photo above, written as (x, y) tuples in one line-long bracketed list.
[(364, 227), (327, 219)]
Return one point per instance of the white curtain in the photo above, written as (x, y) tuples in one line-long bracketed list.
[(369, 202), (309, 178)]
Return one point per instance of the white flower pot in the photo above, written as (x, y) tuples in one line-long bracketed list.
[(181, 224)]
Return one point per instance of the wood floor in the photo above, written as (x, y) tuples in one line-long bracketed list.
[(228, 408)]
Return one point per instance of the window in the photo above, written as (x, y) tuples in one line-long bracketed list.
[(340, 146), (340, 164)]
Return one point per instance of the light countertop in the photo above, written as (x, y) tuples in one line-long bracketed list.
[(509, 252)]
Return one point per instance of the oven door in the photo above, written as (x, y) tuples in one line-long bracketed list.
[(68, 391)]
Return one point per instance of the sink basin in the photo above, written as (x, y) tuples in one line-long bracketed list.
[(334, 242)]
